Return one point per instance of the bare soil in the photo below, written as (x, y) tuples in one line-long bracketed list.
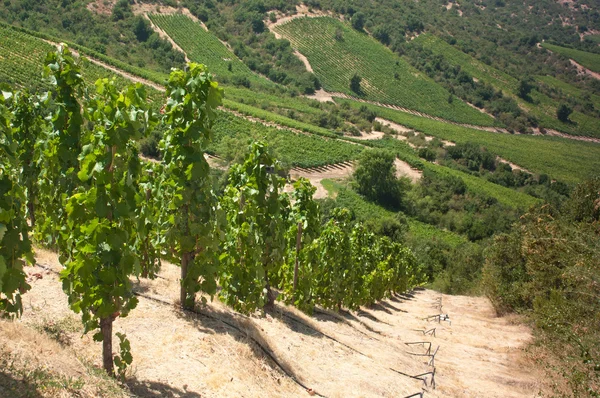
[(101, 6), (317, 174), (582, 70), (347, 354), (304, 61), (403, 169)]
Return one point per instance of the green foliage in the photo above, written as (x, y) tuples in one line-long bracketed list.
[(304, 226), (525, 86), (376, 179), (376, 65), (60, 147), (548, 267), (563, 112), (191, 204), (353, 267), (124, 359), (28, 125), (587, 59), (355, 84), (99, 229), (254, 245), (15, 246), (566, 160), (358, 21)]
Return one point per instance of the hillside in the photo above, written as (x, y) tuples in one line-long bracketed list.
[(385, 77), (326, 198), (216, 352)]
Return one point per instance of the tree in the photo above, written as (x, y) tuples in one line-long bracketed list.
[(191, 202), (15, 246), (355, 84), (563, 112), (100, 215), (524, 89), (358, 21), (376, 179), (254, 246), (141, 28)]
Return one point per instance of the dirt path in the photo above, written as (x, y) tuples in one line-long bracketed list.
[(302, 10), (582, 70), (304, 61), (165, 36), (353, 354)]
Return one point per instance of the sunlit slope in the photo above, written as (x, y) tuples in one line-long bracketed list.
[(204, 47), (587, 59), (567, 160), (22, 63), (569, 89), (21, 57), (336, 52), (542, 107)]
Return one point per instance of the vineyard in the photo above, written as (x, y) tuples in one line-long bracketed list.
[(72, 180), (568, 89), (291, 148), (385, 77), (586, 59), (542, 106), (566, 160), (203, 46)]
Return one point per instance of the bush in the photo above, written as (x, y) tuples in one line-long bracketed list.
[(563, 112)]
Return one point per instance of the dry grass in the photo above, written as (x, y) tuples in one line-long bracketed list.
[(218, 353)]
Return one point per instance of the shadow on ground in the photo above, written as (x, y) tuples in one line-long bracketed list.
[(154, 389), (16, 388)]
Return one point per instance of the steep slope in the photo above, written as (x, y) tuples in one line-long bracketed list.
[(589, 60), (337, 52), (203, 47), (541, 106), (216, 352)]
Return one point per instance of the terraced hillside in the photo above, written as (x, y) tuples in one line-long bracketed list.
[(541, 106), (564, 159), (584, 58), (204, 47), (336, 52), (569, 89)]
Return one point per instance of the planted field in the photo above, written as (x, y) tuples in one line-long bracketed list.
[(204, 47), (293, 149), (477, 185), (569, 89), (279, 101), (386, 77), (22, 57), (253, 111), (563, 159), (584, 58), (543, 107)]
